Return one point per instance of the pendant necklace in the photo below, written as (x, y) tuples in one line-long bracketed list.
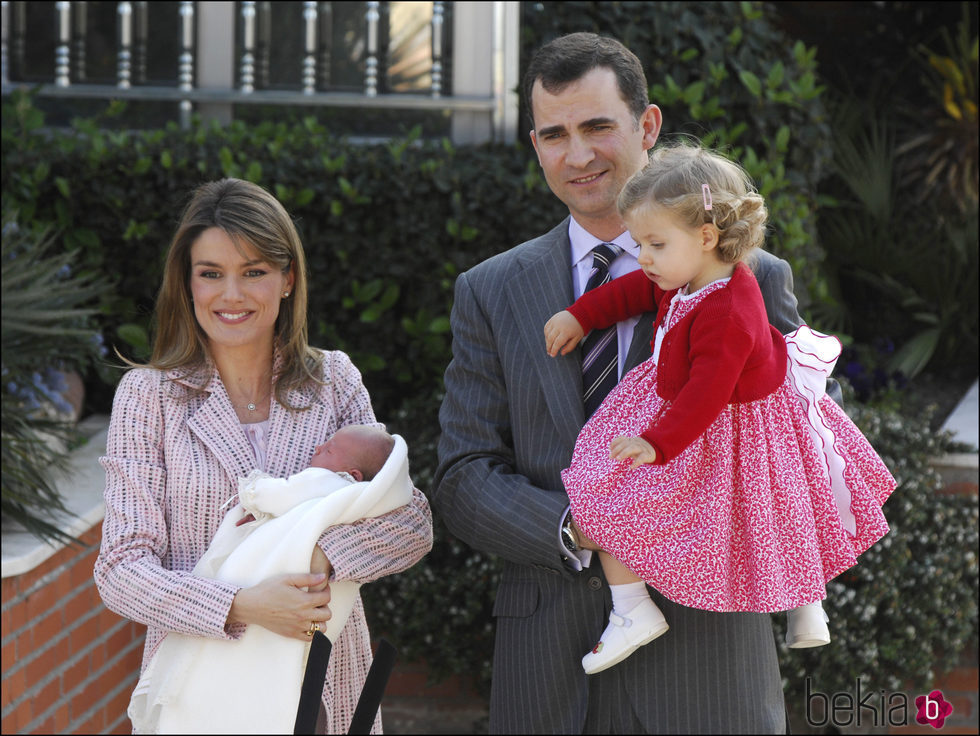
[(253, 405)]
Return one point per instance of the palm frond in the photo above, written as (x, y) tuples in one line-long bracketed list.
[(45, 326)]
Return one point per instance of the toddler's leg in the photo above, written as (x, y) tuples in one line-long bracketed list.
[(806, 626), (635, 619)]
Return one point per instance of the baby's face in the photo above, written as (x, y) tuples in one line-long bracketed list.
[(335, 454)]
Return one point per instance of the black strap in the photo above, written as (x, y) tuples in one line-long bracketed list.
[(311, 692), (374, 688)]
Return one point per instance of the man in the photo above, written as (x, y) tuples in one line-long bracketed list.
[(509, 423)]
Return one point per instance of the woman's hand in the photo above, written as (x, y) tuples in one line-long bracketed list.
[(562, 333), (636, 448), (281, 605), (320, 564)]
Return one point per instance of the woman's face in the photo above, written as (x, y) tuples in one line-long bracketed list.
[(236, 294)]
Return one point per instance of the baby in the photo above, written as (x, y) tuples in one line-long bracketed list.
[(357, 450), (353, 454)]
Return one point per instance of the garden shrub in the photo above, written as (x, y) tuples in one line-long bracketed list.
[(386, 227), (901, 234)]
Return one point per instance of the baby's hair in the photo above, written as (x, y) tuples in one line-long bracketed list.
[(374, 447), (674, 180)]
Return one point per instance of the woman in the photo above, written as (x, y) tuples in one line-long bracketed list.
[(232, 385)]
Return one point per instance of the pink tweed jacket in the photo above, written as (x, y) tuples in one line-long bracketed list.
[(173, 460)]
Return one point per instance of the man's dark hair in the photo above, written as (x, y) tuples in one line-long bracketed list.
[(569, 58)]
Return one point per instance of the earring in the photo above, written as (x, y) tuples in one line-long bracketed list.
[(285, 294)]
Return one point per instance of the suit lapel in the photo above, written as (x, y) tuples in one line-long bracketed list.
[(216, 425), (542, 287), (289, 430)]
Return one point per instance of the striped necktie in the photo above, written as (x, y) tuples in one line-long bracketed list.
[(600, 350)]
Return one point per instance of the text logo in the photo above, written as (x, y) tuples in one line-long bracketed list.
[(868, 707), (933, 709)]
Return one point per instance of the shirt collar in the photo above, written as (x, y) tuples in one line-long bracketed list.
[(583, 242)]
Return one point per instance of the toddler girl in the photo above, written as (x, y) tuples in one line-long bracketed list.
[(717, 471)]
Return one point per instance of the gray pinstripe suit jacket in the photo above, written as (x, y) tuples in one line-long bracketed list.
[(509, 423)]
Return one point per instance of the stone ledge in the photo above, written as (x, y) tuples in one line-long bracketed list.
[(81, 491), (962, 422), (959, 470)]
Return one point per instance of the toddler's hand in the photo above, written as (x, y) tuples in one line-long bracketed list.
[(633, 447), (562, 333)]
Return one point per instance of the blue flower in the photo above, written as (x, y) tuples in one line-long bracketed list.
[(99, 342)]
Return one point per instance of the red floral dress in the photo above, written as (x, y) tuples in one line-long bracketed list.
[(751, 516)]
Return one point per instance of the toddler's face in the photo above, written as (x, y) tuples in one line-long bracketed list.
[(672, 253)]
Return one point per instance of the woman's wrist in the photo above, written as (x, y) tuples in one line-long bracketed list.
[(236, 613)]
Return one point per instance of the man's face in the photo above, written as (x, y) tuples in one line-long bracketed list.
[(589, 144)]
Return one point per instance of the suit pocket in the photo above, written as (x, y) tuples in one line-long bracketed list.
[(517, 598)]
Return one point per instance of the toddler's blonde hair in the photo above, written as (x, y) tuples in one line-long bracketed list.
[(673, 180)]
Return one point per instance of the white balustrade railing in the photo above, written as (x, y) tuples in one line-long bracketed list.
[(480, 86)]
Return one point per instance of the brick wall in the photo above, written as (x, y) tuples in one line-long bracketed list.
[(414, 705), (69, 664)]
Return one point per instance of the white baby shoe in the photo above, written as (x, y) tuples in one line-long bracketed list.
[(624, 635), (806, 627)]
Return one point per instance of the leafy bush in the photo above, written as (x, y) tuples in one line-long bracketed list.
[(386, 227), (911, 278), (939, 160)]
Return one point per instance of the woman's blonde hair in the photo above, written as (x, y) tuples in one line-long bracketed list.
[(250, 216), (674, 180)]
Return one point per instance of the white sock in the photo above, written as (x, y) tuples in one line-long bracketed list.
[(627, 596)]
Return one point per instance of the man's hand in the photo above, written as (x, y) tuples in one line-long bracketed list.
[(562, 333)]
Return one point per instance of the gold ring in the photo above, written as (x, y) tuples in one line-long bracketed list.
[(314, 627)]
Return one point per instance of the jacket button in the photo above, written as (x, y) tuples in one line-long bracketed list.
[(595, 583)]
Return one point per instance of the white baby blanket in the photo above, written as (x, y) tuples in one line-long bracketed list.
[(252, 685)]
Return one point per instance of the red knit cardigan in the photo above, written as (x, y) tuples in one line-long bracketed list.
[(723, 352)]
